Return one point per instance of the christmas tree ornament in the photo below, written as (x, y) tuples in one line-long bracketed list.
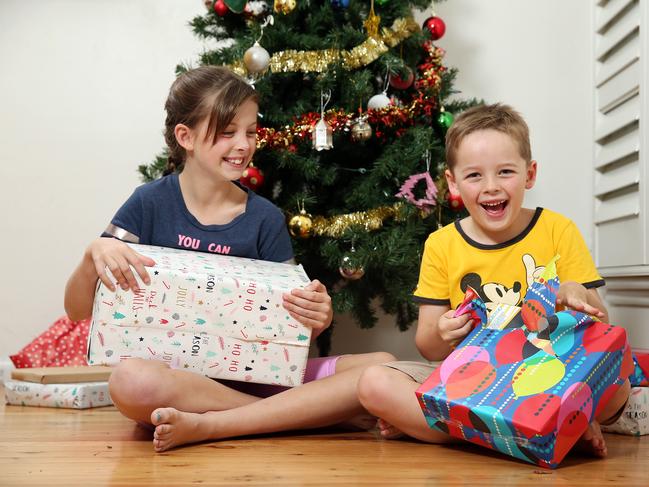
[(284, 6), (350, 268), (256, 8), (455, 202), (237, 6), (256, 58), (340, 4), (402, 82), (435, 26), (252, 177), (322, 132), (445, 119), (379, 101), (301, 225), (430, 196), (372, 22), (361, 130), (209, 4), (221, 8)]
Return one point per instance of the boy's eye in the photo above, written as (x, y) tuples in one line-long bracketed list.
[(507, 171), (473, 175)]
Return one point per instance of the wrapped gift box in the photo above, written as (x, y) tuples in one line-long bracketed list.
[(62, 375), (635, 418), (211, 314), (76, 396), (6, 366), (640, 376), (528, 381)]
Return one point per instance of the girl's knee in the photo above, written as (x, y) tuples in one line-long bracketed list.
[(135, 381)]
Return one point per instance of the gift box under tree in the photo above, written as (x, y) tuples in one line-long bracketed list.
[(527, 381), (212, 314)]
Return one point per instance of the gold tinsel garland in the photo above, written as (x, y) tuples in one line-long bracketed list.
[(370, 220), (291, 61)]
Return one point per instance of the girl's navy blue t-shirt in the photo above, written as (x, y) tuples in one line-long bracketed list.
[(155, 214)]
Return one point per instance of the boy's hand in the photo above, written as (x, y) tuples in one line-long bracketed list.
[(310, 306), (453, 329), (107, 253), (573, 295)]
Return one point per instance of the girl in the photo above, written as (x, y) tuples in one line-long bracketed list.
[(210, 131)]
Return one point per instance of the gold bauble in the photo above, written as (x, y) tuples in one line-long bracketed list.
[(300, 226), (361, 130), (284, 6)]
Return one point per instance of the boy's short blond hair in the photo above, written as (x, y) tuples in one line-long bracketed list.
[(502, 118)]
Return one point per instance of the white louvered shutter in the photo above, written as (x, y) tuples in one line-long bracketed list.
[(621, 116)]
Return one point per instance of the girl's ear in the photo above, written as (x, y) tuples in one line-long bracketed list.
[(452, 185), (184, 136)]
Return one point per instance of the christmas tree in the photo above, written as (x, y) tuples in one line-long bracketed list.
[(354, 105)]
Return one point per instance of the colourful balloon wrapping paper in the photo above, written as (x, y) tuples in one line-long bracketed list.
[(81, 395), (215, 315), (529, 380)]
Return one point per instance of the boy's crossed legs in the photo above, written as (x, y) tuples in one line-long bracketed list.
[(389, 394), (186, 407)]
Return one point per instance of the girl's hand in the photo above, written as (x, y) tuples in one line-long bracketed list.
[(573, 295), (310, 306), (110, 254), (453, 329)]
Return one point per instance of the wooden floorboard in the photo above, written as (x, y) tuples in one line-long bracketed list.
[(97, 447)]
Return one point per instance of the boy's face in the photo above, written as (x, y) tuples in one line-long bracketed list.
[(491, 177)]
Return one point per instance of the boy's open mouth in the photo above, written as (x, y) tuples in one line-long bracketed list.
[(495, 207)]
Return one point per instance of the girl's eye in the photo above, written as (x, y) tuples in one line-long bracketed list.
[(252, 134), (227, 134)]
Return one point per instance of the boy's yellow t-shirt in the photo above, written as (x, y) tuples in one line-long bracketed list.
[(502, 273)]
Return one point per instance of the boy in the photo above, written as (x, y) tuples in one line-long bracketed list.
[(498, 250)]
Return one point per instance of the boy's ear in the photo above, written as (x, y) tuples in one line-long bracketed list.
[(452, 185), (184, 136), (531, 175)]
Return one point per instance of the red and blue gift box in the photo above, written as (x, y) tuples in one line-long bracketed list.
[(529, 380)]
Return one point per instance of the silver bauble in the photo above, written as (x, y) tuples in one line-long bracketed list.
[(378, 101), (256, 59)]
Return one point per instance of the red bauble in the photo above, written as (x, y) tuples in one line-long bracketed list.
[(399, 83), (221, 8), (455, 202), (435, 26), (252, 178)]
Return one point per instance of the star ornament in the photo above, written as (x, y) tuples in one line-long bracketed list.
[(406, 191)]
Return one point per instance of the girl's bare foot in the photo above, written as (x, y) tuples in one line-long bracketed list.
[(174, 428)]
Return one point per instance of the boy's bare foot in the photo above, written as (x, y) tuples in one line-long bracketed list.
[(592, 441), (388, 431), (174, 428)]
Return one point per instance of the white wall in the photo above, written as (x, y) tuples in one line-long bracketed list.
[(82, 91)]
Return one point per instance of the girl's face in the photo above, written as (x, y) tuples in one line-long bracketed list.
[(491, 177), (234, 147)]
